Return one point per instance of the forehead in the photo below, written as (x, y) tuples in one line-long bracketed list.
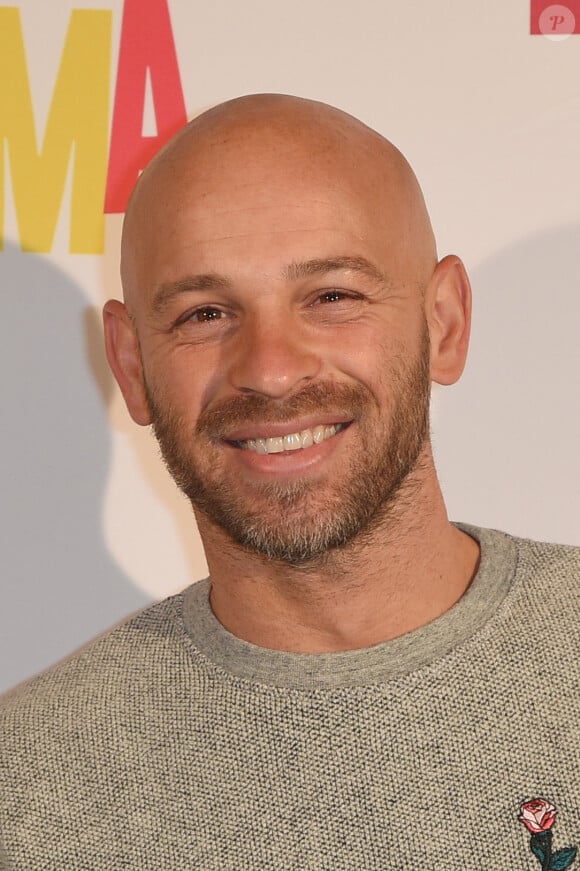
[(238, 207), (256, 176)]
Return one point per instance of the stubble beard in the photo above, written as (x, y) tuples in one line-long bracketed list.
[(301, 521)]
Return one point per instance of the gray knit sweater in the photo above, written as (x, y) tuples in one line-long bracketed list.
[(171, 744)]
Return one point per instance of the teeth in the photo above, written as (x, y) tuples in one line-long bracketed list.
[(261, 446), (275, 445), (294, 441)]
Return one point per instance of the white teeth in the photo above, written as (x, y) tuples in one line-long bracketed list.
[(275, 445), (318, 434), (293, 441)]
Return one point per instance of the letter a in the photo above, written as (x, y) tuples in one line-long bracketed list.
[(146, 44)]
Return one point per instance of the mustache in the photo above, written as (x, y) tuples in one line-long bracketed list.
[(343, 399)]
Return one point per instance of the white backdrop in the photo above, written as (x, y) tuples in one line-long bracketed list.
[(489, 117)]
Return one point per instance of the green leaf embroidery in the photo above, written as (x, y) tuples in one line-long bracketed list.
[(563, 858), (537, 851)]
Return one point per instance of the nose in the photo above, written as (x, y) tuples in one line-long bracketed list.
[(273, 358)]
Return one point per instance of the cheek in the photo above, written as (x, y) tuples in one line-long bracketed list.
[(180, 378), (365, 355)]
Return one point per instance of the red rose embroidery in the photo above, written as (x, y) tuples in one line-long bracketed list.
[(537, 815)]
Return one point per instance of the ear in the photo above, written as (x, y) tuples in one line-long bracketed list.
[(448, 313), (122, 347)]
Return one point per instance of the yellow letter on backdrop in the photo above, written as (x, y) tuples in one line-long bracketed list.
[(79, 117)]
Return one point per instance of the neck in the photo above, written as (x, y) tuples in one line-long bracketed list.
[(408, 570)]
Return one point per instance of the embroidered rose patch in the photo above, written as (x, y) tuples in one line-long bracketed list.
[(539, 816)]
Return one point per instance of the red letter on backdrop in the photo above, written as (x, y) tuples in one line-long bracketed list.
[(146, 43)]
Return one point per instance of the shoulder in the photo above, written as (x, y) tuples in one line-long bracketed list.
[(549, 570), (541, 607), (88, 723), (92, 712), (533, 561), (94, 681), (536, 587)]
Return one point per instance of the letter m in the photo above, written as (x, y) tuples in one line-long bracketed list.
[(77, 125)]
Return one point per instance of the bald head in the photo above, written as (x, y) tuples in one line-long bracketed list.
[(279, 270), (246, 153)]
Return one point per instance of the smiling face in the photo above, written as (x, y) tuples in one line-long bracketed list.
[(294, 477), (274, 267)]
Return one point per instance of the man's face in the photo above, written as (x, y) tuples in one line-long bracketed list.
[(286, 357)]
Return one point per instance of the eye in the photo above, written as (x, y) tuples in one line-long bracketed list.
[(205, 315), (203, 324), (334, 305), (333, 295)]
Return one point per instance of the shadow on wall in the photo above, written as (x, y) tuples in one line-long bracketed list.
[(508, 436), (59, 584)]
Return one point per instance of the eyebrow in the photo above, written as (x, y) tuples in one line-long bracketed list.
[(167, 292), (295, 271), (320, 266)]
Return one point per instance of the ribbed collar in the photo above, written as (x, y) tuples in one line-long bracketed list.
[(366, 666)]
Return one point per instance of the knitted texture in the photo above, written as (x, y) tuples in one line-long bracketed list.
[(169, 744)]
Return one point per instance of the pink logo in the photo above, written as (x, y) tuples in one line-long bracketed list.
[(555, 21)]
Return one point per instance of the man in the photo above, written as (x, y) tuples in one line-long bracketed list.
[(362, 684)]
